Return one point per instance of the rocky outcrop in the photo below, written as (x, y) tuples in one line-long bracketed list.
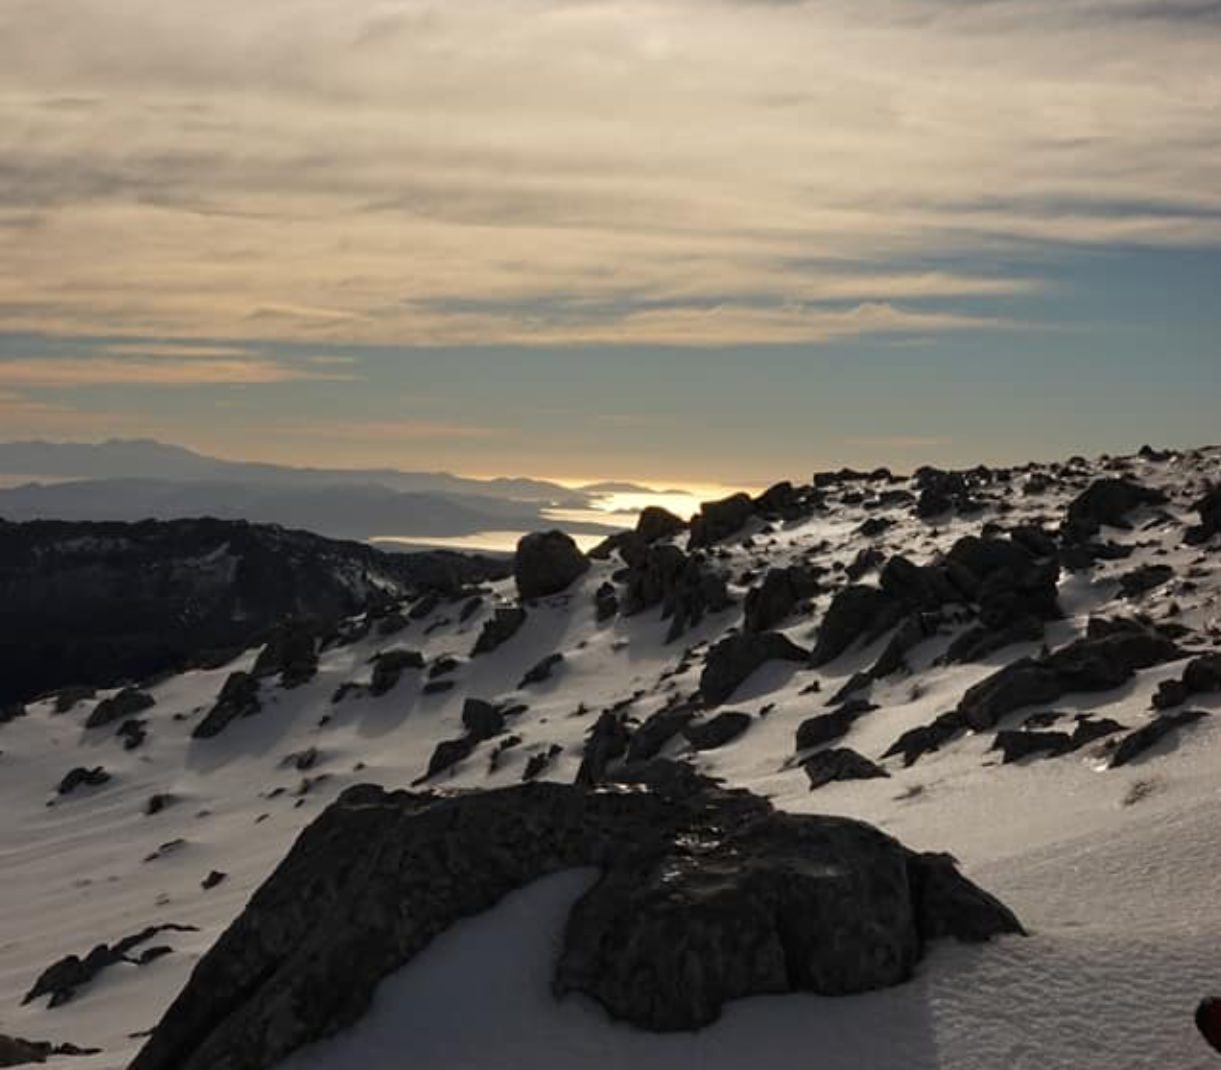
[(239, 697), (720, 520), (825, 728), (1107, 501), (1144, 579), (541, 671), (840, 763), (732, 661), (607, 742), (717, 731), (127, 703), (14, 1051), (546, 563), (498, 629), (389, 666), (682, 584), (104, 603), (61, 980), (1201, 675), (681, 920), (1141, 739), (781, 592), (1209, 508), (656, 523)]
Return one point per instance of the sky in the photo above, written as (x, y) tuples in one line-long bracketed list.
[(666, 240)]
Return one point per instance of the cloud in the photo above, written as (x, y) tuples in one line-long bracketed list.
[(104, 371), (301, 169)]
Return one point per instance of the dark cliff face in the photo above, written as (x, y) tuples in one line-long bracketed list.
[(101, 603)]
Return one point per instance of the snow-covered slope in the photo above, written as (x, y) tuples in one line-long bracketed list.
[(1114, 871)]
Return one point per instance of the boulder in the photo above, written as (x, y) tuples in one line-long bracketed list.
[(682, 919), (717, 731), (1139, 740), (607, 741), (1209, 508), (498, 629), (127, 703), (857, 613), (606, 602), (542, 670), (1144, 579), (239, 697), (292, 651), (720, 519), (648, 740), (482, 720), (1107, 501), (683, 585), (546, 563), (840, 763), (656, 523), (389, 666), (14, 1051), (731, 661), (82, 777), (781, 592)]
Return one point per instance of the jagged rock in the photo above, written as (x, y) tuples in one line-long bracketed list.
[(1141, 739), (656, 523), (389, 666), (481, 719), (1016, 745), (391, 624), (292, 651), (542, 671), (720, 730), (1090, 664), (924, 739), (648, 740), (499, 629), (607, 741), (1139, 581), (866, 560), (720, 519), (546, 563), (606, 602), (14, 1051), (214, 878), (840, 763), (1107, 501), (67, 697), (728, 664), (682, 585), (448, 753), (875, 526), (1209, 508), (61, 979), (133, 732), (81, 776), (783, 501), (856, 613), (158, 802), (537, 764), (127, 703), (781, 591), (1203, 674), (825, 728), (239, 697), (682, 920)]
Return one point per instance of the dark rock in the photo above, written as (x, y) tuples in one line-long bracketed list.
[(425, 606), (720, 519), (1146, 578), (12, 712), (389, 666), (448, 753), (239, 697), (469, 608), (1170, 693), (729, 663), (1089, 665), (606, 602), (546, 563), (437, 687), (1015, 745), (682, 920), (840, 763), (608, 741), (656, 523), (720, 730), (14, 1051), (827, 727), (292, 651), (1141, 739), (1209, 508), (443, 665), (856, 613), (133, 732), (538, 764), (157, 803), (499, 629), (481, 720), (648, 740), (781, 591), (61, 979), (875, 526), (542, 671), (391, 624), (127, 703), (681, 584), (67, 697), (212, 880), (866, 560), (81, 776), (924, 739), (1107, 501), (1203, 674)]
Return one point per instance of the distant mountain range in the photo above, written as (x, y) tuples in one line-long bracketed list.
[(134, 479)]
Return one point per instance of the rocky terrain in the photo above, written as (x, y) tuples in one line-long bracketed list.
[(1019, 666), (86, 605)]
